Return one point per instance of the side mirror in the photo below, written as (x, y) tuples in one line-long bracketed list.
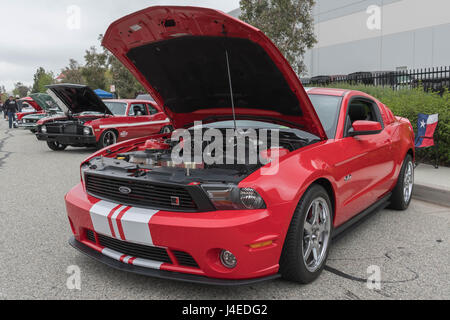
[(365, 128)]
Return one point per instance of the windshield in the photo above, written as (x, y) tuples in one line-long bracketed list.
[(117, 108), (327, 108)]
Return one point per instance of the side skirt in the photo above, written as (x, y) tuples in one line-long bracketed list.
[(377, 206)]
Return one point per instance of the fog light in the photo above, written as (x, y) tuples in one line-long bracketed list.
[(228, 259), (44, 129)]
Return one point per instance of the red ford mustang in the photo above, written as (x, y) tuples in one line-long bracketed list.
[(342, 154), (89, 121)]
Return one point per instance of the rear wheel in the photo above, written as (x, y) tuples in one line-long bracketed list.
[(56, 146), (308, 240), (402, 194), (108, 138)]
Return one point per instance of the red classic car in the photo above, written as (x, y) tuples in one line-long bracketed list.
[(89, 121), (340, 155)]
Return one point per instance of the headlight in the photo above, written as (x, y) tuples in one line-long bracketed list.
[(251, 199), (87, 131), (44, 129), (230, 197)]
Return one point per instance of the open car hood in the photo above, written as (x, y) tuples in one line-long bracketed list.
[(30, 100), (44, 101), (77, 99), (179, 54)]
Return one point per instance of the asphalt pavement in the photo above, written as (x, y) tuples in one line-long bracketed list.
[(410, 249)]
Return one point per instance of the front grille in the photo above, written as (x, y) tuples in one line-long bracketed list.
[(53, 129), (185, 259), (143, 193), (74, 129), (134, 250), (141, 251)]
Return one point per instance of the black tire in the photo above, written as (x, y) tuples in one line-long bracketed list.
[(166, 129), (292, 263), (399, 201), (108, 138), (56, 146)]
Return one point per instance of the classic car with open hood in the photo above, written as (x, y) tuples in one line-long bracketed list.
[(332, 157), (90, 121), (37, 103), (43, 105)]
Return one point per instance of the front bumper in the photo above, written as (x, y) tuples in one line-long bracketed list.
[(67, 139), (201, 235), (184, 277), (27, 126)]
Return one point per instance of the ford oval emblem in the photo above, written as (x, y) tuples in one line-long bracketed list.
[(125, 190)]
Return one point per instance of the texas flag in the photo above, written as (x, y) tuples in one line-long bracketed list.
[(427, 128)]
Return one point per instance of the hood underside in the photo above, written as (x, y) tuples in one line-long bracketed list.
[(44, 101), (76, 99), (31, 102), (181, 56)]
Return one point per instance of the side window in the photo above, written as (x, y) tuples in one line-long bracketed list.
[(152, 109), (138, 110), (362, 109)]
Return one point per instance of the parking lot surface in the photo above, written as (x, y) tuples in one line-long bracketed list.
[(411, 248)]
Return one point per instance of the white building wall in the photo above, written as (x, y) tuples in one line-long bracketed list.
[(412, 34)]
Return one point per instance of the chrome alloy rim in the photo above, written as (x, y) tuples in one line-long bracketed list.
[(109, 138), (408, 183), (316, 234)]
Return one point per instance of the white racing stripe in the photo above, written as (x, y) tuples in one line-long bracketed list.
[(99, 216), (112, 254), (135, 225), (122, 222), (108, 126), (134, 261), (147, 263)]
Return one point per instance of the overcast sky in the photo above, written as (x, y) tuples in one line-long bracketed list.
[(44, 32)]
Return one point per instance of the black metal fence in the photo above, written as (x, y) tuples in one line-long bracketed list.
[(431, 79)]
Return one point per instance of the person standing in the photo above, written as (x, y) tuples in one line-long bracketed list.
[(2, 110), (11, 109), (19, 104)]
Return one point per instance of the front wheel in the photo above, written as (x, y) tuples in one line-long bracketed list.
[(402, 194), (308, 240), (56, 146), (108, 138)]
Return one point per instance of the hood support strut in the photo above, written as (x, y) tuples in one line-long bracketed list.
[(231, 90)]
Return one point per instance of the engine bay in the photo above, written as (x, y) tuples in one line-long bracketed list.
[(154, 160)]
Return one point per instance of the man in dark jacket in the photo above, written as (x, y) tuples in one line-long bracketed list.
[(11, 109)]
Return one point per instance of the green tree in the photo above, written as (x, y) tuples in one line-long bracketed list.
[(288, 23), (95, 69), (3, 94), (127, 86), (72, 73), (20, 90), (42, 79)]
